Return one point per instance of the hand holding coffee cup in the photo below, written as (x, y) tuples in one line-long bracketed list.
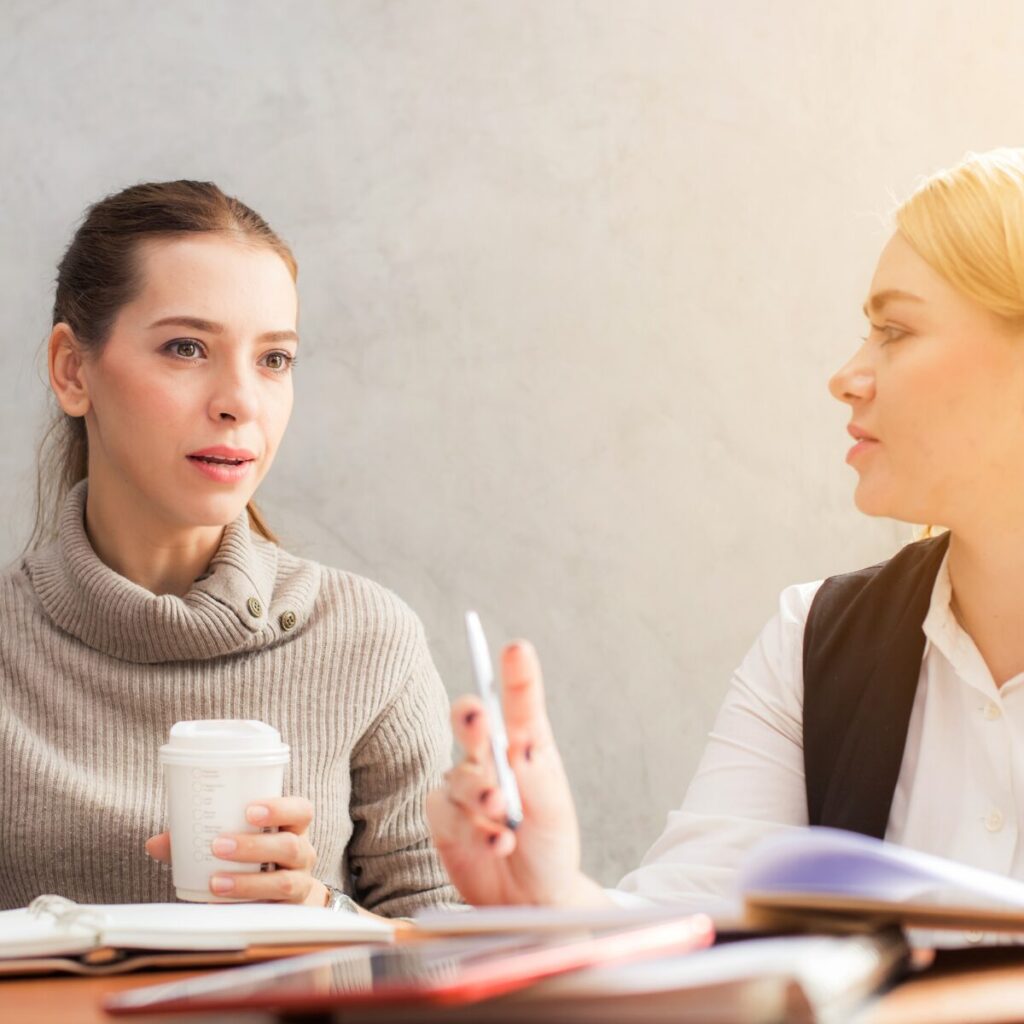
[(228, 819)]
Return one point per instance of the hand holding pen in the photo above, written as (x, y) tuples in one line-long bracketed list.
[(538, 862)]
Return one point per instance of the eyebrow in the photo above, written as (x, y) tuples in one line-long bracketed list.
[(199, 324), (879, 299)]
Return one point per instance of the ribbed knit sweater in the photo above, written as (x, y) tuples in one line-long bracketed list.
[(95, 669)]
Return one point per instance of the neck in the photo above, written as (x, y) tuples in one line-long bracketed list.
[(986, 570), (131, 538)]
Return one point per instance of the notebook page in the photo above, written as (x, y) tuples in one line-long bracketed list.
[(23, 933), (199, 926), (829, 861)]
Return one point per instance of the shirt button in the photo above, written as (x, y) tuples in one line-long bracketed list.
[(992, 711), (994, 820), (288, 620), (254, 606), (973, 937)]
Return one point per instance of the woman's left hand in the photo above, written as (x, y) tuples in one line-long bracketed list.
[(289, 848)]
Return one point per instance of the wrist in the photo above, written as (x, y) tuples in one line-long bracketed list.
[(583, 892), (338, 899), (319, 894)]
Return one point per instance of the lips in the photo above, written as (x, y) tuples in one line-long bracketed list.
[(859, 433), (222, 455), (863, 442)]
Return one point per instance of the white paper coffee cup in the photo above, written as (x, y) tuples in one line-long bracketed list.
[(213, 770)]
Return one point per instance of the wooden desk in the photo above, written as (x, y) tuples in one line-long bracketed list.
[(971, 989), (968, 986), (60, 999)]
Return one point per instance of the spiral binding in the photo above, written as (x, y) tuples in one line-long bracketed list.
[(68, 913)]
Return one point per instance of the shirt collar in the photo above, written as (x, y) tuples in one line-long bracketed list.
[(949, 639)]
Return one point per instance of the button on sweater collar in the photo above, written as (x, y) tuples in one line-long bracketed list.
[(229, 609)]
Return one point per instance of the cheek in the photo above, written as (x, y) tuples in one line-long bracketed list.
[(145, 405), (277, 411)]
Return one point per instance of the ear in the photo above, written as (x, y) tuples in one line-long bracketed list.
[(66, 376)]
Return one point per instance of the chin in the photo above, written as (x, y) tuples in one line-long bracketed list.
[(214, 510), (877, 503), (887, 505), (870, 502)]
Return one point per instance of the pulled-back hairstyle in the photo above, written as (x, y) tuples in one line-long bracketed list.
[(99, 275), (967, 223)]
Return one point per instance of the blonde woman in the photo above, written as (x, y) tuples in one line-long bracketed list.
[(153, 591), (888, 701)]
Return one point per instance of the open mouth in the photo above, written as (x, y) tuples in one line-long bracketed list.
[(216, 460)]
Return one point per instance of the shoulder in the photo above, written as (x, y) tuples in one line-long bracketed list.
[(921, 556), (888, 593), (373, 606), (360, 613), (781, 639), (20, 610), (16, 585)]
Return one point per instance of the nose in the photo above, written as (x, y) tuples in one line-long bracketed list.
[(235, 395), (854, 382)]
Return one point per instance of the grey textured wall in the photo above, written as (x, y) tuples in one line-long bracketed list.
[(573, 277)]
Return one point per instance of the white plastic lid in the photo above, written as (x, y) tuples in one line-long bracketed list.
[(224, 739)]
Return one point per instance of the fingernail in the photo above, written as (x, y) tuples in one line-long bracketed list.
[(257, 813), (470, 717), (222, 883), (223, 846)]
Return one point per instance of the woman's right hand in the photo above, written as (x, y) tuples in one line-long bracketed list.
[(538, 863)]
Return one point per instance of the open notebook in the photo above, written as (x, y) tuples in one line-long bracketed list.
[(824, 877), (53, 933)]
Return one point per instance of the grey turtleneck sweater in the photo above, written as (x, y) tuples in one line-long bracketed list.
[(94, 670)]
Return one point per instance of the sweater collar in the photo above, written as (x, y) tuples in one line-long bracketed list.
[(232, 607)]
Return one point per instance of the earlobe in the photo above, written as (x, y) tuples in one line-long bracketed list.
[(66, 376)]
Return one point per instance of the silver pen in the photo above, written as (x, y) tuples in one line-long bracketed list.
[(483, 672)]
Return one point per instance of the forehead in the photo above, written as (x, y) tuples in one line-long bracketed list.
[(215, 277), (901, 269)]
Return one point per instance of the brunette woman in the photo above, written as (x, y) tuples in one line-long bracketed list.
[(154, 591)]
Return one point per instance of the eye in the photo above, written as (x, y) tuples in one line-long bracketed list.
[(889, 333), (186, 348), (892, 333), (279, 361)]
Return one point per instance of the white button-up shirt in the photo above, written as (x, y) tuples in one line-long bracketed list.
[(957, 793)]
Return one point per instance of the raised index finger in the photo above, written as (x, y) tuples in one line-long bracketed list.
[(526, 717)]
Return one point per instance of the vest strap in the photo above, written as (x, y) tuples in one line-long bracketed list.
[(863, 646)]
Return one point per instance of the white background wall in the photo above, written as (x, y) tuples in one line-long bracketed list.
[(573, 277)]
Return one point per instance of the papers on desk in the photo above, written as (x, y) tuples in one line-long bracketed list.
[(826, 879), (817, 980), (91, 936), (536, 920), (530, 980)]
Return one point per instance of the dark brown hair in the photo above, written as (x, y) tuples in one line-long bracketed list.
[(100, 274)]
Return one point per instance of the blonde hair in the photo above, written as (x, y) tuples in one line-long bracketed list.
[(967, 223)]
